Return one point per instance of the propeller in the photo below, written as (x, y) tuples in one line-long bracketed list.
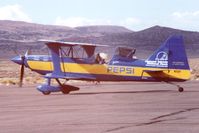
[(21, 71), (20, 59)]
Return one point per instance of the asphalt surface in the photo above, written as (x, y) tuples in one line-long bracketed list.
[(103, 108)]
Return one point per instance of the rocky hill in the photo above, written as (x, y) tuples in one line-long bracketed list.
[(20, 36)]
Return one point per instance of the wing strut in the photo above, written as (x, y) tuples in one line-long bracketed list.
[(54, 49)]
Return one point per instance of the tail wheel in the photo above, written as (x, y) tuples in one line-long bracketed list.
[(180, 89)]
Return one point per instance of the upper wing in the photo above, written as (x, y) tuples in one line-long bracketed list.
[(63, 43)]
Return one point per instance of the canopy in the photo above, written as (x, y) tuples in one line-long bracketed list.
[(125, 52)]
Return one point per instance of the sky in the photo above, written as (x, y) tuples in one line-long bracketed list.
[(133, 14)]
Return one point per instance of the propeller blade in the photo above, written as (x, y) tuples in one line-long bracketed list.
[(21, 72), (28, 52), (21, 75)]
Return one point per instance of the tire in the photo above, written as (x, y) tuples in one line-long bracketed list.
[(46, 92), (65, 91), (180, 89)]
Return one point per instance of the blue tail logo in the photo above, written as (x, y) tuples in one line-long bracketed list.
[(161, 60), (162, 56)]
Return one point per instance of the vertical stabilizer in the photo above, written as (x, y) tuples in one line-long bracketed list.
[(171, 54)]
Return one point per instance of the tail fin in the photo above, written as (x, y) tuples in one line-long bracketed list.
[(171, 55)]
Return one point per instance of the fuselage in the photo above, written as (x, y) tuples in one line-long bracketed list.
[(114, 70)]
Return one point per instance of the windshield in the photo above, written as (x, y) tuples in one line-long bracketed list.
[(125, 52)]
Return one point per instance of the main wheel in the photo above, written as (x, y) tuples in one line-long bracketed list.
[(65, 91), (180, 89), (46, 92)]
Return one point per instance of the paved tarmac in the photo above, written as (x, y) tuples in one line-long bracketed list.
[(103, 108)]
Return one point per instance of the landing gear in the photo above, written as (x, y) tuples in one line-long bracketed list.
[(180, 89), (66, 89), (47, 88)]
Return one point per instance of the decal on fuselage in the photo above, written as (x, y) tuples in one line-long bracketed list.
[(120, 70), (161, 60)]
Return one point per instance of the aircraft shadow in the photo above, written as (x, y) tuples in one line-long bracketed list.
[(120, 92)]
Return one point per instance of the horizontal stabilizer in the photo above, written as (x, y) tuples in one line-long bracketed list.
[(159, 74), (153, 71)]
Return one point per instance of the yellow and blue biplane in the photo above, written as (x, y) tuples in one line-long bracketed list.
[(78, 61)]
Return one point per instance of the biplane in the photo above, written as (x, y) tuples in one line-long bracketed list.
[(79, 61)]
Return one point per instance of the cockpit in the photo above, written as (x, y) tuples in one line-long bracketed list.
[(123, 55), (125, 52)]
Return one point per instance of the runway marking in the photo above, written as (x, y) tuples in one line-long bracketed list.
[(175, 113), (157, 119)]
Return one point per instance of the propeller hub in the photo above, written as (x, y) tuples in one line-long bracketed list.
[(18, 59)]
